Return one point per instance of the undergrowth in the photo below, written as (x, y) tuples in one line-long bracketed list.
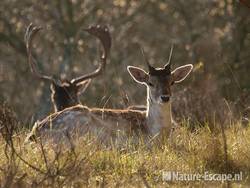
[(87, 163)]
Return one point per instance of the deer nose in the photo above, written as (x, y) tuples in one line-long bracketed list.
[(165, 98)]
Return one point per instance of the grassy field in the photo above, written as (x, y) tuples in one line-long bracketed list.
[(87, 163)]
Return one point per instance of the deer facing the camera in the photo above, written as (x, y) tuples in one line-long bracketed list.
[(65, 93), (109, 123)]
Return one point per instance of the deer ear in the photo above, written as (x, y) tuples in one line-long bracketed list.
[(180, 73), (82, 86), (138, 74)]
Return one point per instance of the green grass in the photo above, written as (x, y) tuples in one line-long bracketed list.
[(87, 163)]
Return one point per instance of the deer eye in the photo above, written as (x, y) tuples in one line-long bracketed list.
[(150, 84)]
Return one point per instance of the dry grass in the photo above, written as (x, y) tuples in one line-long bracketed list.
[(87, 163)]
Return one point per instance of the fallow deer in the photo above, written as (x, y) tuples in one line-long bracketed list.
[(108, 124), (65, 93)]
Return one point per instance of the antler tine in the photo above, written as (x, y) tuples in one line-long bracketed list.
[(171, 52), (151, 68), (30, 33), (144, 56), (168, 65), (27, 33), (102, 33)]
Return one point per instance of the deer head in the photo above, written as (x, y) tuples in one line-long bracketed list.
[(159, 80), (65, 93)]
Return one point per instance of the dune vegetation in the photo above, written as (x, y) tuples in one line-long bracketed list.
[(87, 163)]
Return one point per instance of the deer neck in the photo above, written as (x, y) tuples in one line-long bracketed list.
[(159, 118)]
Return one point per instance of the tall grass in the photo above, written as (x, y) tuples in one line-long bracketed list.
[(89, 163)]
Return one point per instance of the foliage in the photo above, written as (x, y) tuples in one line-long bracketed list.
[(212, 35)]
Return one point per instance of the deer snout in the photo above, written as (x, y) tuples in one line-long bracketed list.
[(165, 98)]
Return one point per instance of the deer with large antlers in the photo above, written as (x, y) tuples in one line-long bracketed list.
[(65, 93), (108, 124)]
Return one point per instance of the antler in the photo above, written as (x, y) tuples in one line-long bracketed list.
[(102, 33), (30, 33), (168, 65), (150, 68)]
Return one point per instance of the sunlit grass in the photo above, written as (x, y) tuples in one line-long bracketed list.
[(88, 163)]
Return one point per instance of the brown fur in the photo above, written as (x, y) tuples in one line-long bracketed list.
[(135, 118), (130, 121), (117, 125)]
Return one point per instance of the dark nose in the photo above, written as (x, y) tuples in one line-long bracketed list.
[(165, 98)]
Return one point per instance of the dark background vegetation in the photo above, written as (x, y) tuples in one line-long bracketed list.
[(213, 35)]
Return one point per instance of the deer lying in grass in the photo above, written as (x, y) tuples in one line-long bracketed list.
[(65, 93), (108, 124)]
